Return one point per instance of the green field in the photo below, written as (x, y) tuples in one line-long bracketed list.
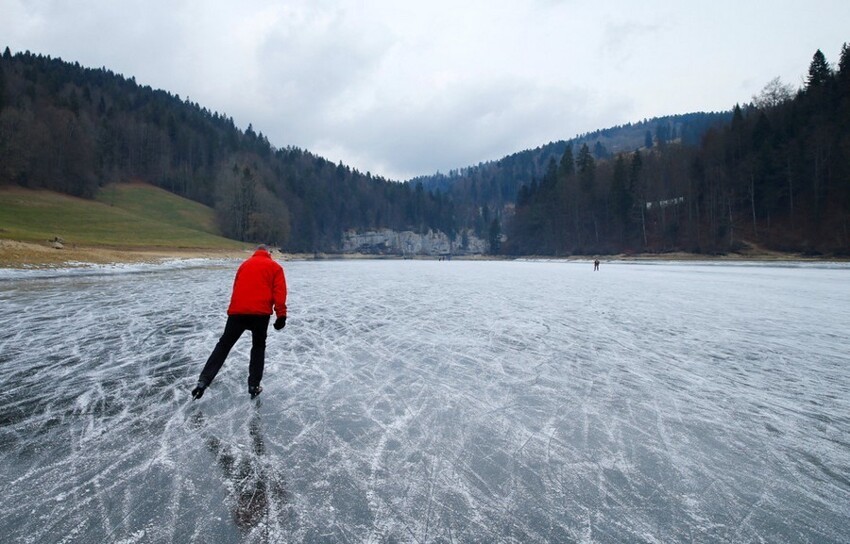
[(122, 215)]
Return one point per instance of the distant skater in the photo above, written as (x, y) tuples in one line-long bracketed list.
[(596, 265), (259, 290)]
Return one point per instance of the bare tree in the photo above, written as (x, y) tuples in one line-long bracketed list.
[(773, 94)]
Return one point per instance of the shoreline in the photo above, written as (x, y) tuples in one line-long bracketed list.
[(34, 256)]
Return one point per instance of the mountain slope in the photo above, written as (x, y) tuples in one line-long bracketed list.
[(72, 129), (497, 183), (123, 215)]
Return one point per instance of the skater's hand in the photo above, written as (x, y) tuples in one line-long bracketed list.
[(279, 323)]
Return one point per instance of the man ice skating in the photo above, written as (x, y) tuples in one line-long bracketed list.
[(259, 290)]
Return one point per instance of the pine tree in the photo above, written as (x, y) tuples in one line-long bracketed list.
[(551, 176), (568, 164), (586, 168), (819, 71), (637, 189), (600, 151), (844, 65), (495, 236), (621, 195), (737, 118), (2, 89)]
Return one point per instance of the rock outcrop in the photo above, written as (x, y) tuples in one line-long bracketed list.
[(409, 243)]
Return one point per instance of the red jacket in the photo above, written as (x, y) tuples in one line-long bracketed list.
[(259, 287)]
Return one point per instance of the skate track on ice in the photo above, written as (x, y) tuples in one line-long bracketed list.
[(420, 401)]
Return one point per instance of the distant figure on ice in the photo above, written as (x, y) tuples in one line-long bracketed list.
[(596, 265), (258, 289)]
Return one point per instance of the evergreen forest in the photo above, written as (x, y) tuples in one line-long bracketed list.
[(773, 173), (776, 176), (72, 129)]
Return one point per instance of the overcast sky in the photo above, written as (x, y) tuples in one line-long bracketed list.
[(404, 88)]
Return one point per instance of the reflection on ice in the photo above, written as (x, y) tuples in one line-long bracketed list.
[(414, 401), (256, 487)]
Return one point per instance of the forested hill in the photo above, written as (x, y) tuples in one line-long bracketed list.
[(777, 175), (73, 129), (775, 172), (497, 183)]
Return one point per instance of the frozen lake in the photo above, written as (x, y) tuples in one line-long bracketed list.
[(422, 401)]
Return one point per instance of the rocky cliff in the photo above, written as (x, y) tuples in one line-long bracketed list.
[(390, 242)]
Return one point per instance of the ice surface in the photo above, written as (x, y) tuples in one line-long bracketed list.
[(421, 401)]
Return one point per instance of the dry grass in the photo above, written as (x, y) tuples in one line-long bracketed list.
[(14, 254)]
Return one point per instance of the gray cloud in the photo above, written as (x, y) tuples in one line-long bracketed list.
[(504, 117), (403, 89)]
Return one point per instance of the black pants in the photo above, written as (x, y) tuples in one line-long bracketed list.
[(236, 325)]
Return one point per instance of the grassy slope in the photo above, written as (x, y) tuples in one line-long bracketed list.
[(124, 215)]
